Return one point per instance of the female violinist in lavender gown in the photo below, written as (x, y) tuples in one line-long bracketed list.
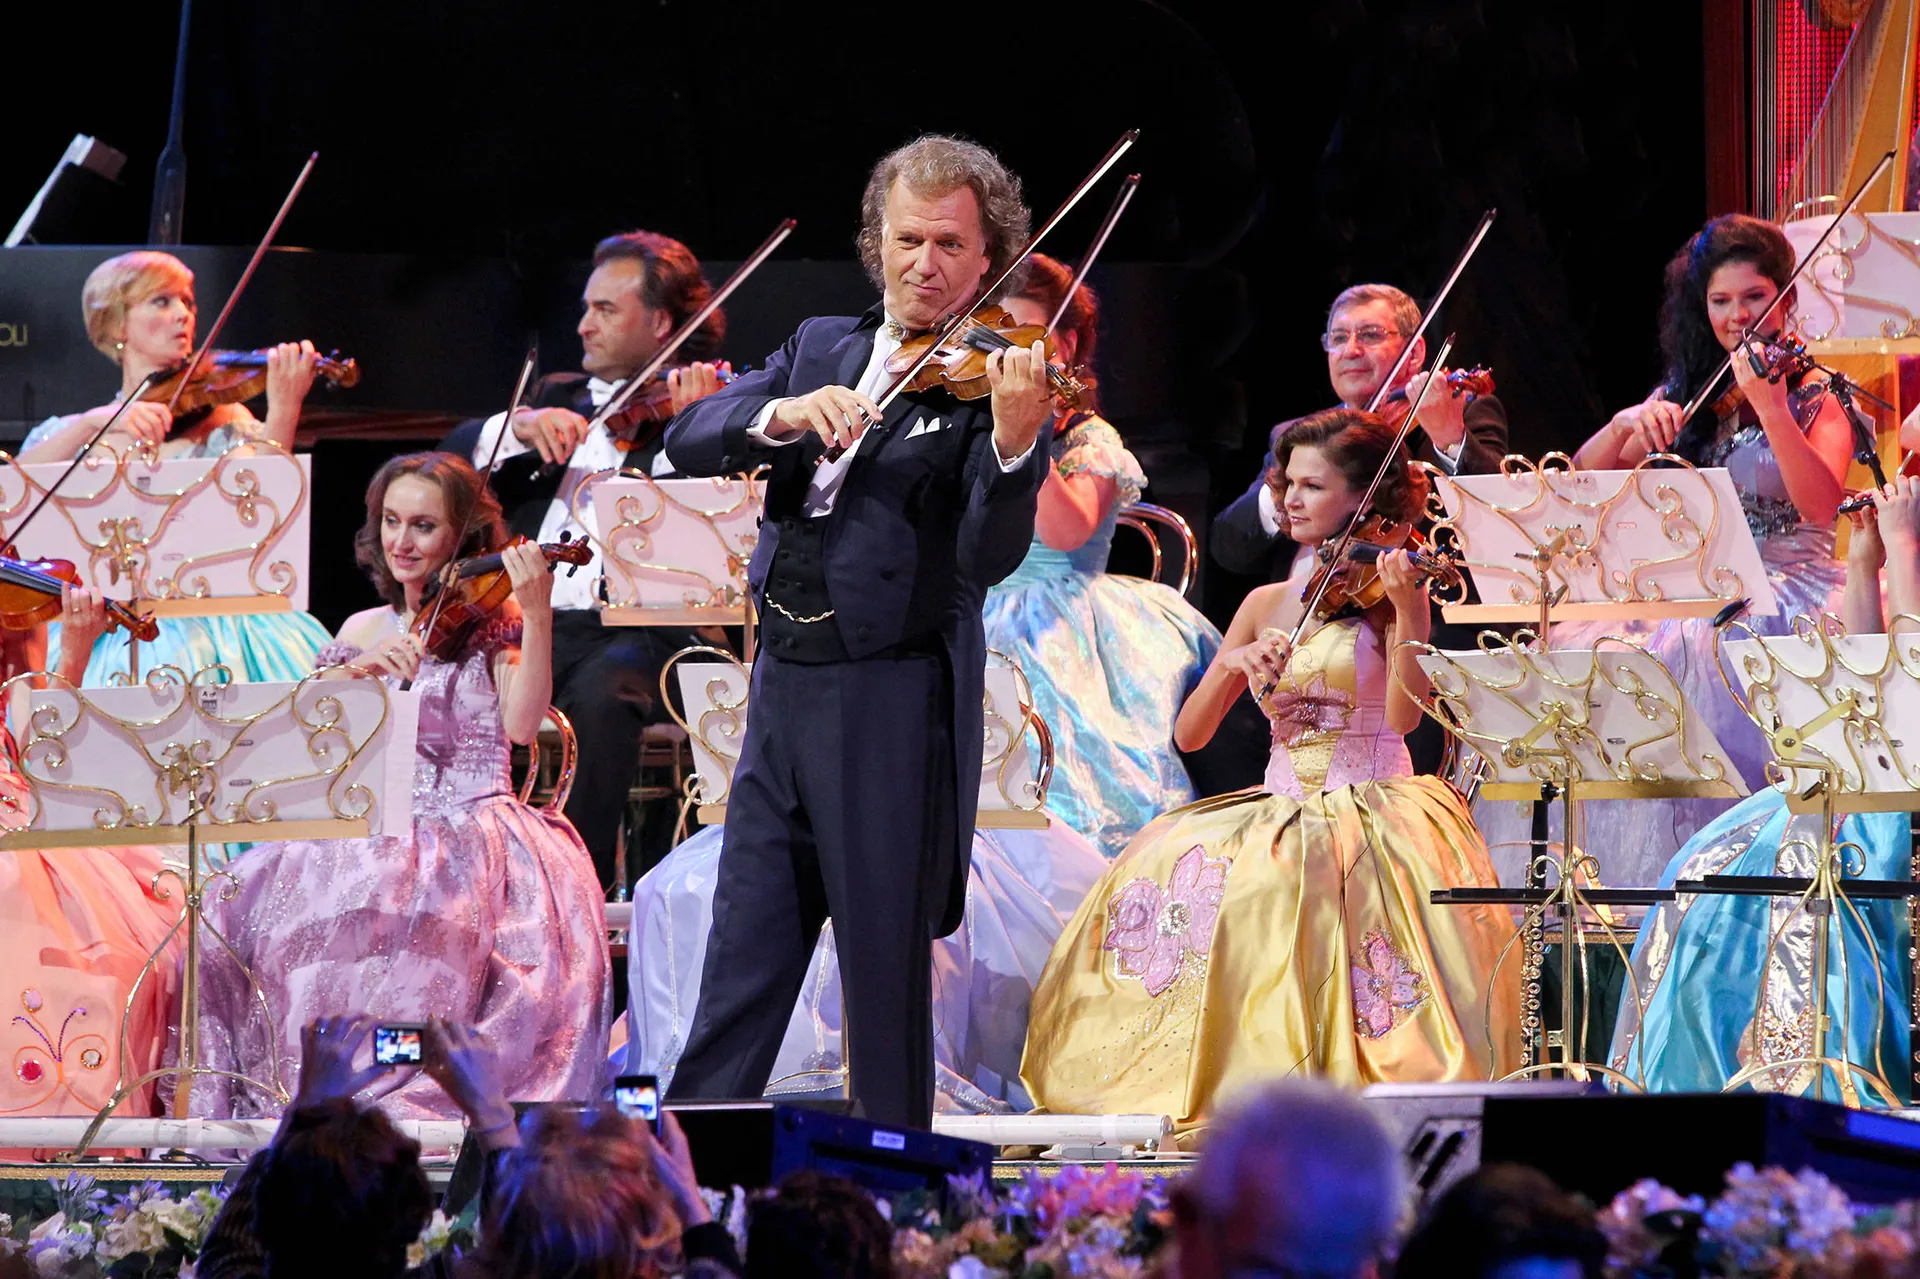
[(491, 913)]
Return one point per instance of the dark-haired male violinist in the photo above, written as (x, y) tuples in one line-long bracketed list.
[(855, 795), (644, 286)]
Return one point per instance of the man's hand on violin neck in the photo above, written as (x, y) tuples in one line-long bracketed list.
[(553, 433), (1022, 397), (1443, 410), (695, 382), (837, 415)]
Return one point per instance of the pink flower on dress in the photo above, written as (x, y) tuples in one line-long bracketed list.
[(1154, 931), (1385, 987)]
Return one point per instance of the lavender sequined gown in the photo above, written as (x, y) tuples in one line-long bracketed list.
[(491, 914)]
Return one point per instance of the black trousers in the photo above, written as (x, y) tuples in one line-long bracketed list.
[(842, 808), (607, 680)]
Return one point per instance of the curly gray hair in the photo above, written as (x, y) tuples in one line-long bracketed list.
[(935, 164)]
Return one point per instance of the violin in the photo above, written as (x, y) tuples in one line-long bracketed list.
[(1351, 582), (474, 589), (959, 365), (229, 377), (1469, 382), (1781, 357), (638, 422), (30, 593)]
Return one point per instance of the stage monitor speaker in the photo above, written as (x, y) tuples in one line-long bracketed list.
[(756, 1143), (1598, 1146), (1438, 1125)]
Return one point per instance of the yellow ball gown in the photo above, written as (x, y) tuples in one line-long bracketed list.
[(1287, 928)]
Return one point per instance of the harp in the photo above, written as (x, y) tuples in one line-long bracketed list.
[(1815, 141), (1832, 86)]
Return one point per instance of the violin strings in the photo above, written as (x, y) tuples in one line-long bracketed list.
[(979, 335)]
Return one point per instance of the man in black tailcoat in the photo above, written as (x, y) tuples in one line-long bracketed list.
[(855, 794), (606, 679)]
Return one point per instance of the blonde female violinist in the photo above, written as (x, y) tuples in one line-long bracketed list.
[(140, 312), (1287, 928)]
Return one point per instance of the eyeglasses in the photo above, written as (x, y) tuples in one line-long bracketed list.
[(1368, 338)]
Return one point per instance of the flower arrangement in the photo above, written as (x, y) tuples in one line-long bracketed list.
[(147, 1233), (1766, 1223), (143, 1234), (1101, 1223)]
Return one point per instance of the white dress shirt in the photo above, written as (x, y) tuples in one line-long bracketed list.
[(597, 452), (828, 476)]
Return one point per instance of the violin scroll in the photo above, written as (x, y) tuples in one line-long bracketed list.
[(1782, 357)]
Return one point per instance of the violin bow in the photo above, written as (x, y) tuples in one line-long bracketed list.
[(1120, 201), (1345, 539), (187, 374), (1426, 317), (1413, 410), (266, 242), (1806, 262), (965, 314), (486, 477), (693, 322), (79, 457)]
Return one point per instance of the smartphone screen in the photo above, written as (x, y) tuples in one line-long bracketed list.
[(638, 1097), (397, 1045)]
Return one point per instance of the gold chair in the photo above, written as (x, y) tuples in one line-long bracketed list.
[(1143, 517), (550, 764)]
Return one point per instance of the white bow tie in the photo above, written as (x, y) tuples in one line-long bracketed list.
[(602, 391)]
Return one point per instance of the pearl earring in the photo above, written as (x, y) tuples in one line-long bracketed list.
[(119, 346)]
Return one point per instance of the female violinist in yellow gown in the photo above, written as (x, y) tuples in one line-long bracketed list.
[(1287, 928)]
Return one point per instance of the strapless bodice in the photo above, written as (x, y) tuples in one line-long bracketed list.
[(1329, 713)]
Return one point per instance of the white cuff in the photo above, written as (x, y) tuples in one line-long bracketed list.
[(758, 431), (1269, 514), (512, 446), (1014, 465)]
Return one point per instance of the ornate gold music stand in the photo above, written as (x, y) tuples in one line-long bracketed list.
[(673, 552), (315, 759), (1569, 726), (1821, 696), (180, 537)]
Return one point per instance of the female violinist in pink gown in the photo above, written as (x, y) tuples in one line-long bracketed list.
[(77, 925)]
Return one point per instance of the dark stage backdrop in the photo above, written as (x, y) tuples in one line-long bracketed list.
[(1288, 151)]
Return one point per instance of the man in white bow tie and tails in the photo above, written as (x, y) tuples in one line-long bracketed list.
[(854, 799), (606, 679)]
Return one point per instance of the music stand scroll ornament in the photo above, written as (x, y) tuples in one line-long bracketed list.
[(1569, 726), (1545, 541), (180, 757), (673, 552)]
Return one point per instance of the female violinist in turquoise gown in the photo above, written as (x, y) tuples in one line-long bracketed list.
[(1110, 657), (140, 312), (1715, 992)]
